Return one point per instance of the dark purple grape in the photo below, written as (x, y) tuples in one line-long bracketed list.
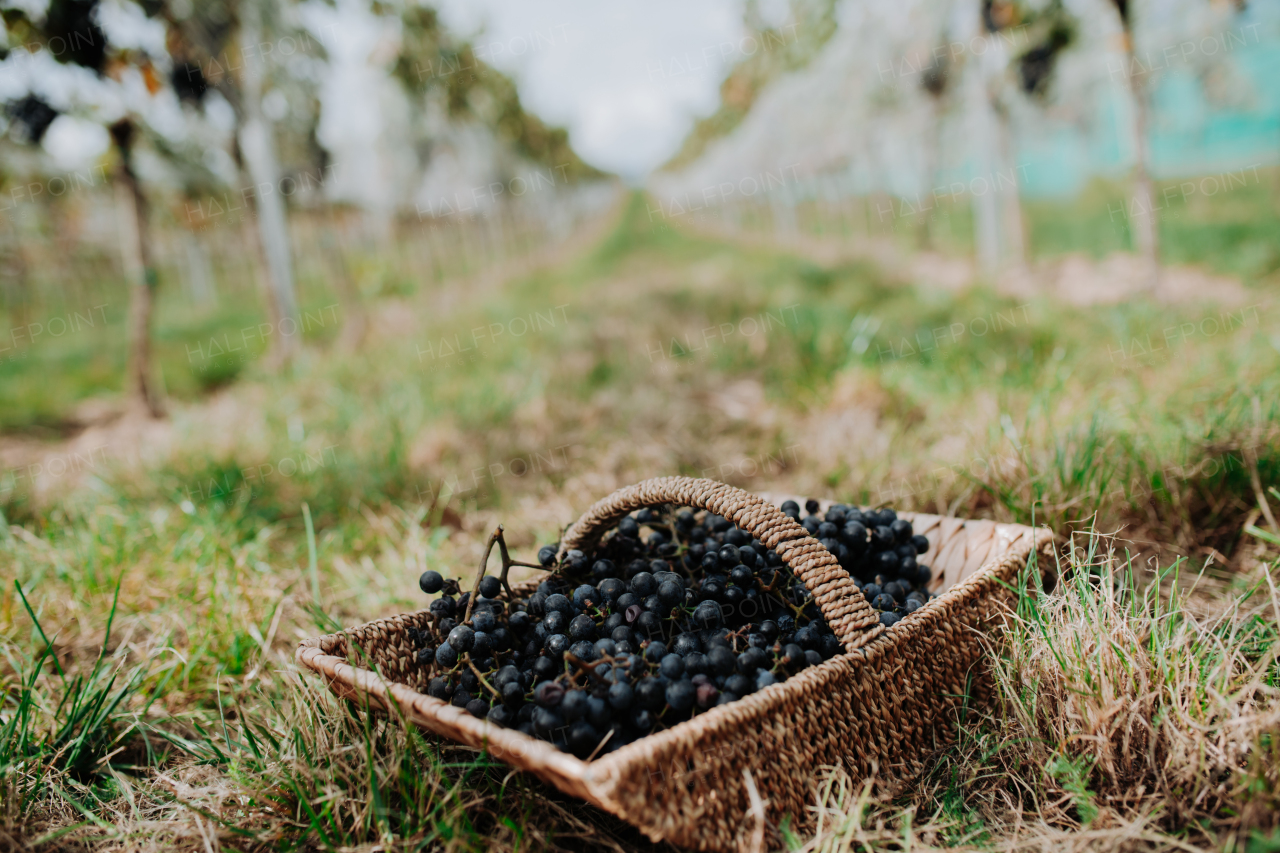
[(544, 668), (650, 693), (582, 738), (585, 595), (598, 712), (722, 659), (462, 638), (643, 585), (582, 628), (648, 625), (546, 722), (548, 694), (555, 622), (611, 589), (574, 705), (681, 695), (621, 695), (708, 615)]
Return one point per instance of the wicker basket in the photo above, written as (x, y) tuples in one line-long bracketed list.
[(879, 709)]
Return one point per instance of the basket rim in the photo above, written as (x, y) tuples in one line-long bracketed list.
[(594, 780)]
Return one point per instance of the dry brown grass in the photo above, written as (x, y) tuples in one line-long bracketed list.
[(1124, 721)]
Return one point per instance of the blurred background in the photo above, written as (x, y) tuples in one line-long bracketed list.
[(300, 298), (204, 203), (912, 244), (196, 192)]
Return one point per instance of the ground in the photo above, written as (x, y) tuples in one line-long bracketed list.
[(165, 571)]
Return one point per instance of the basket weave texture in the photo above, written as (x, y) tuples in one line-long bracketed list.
[(880, 709)]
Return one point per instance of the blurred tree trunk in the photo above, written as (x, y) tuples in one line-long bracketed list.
[(936, 83), (199, 278), (1146, 234), (1006, 185), (257, 146), (998, 219), (986, 214), (255, 261), (135, 243), (926, 237)]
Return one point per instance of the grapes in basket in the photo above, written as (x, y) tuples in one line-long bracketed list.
[(672, 614)]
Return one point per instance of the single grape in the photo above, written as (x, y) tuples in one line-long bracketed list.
[(548, 694), (574, 705), (490, 587), (643, 585), (681, 695), (621, 695), (582, 738), (462, 638), (582, 628), (556, 622), (708, 615), (446, 656), (584, 595)]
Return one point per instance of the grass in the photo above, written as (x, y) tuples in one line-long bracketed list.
[(1223, 221), (1126, 718), (150, 700), (90, 361)]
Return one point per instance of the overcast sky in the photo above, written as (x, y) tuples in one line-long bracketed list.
[(627, 79)]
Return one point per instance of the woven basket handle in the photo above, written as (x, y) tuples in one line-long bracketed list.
[(845, 609)]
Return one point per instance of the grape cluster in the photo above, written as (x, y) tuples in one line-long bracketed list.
[(671, 615), (878, 549)]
